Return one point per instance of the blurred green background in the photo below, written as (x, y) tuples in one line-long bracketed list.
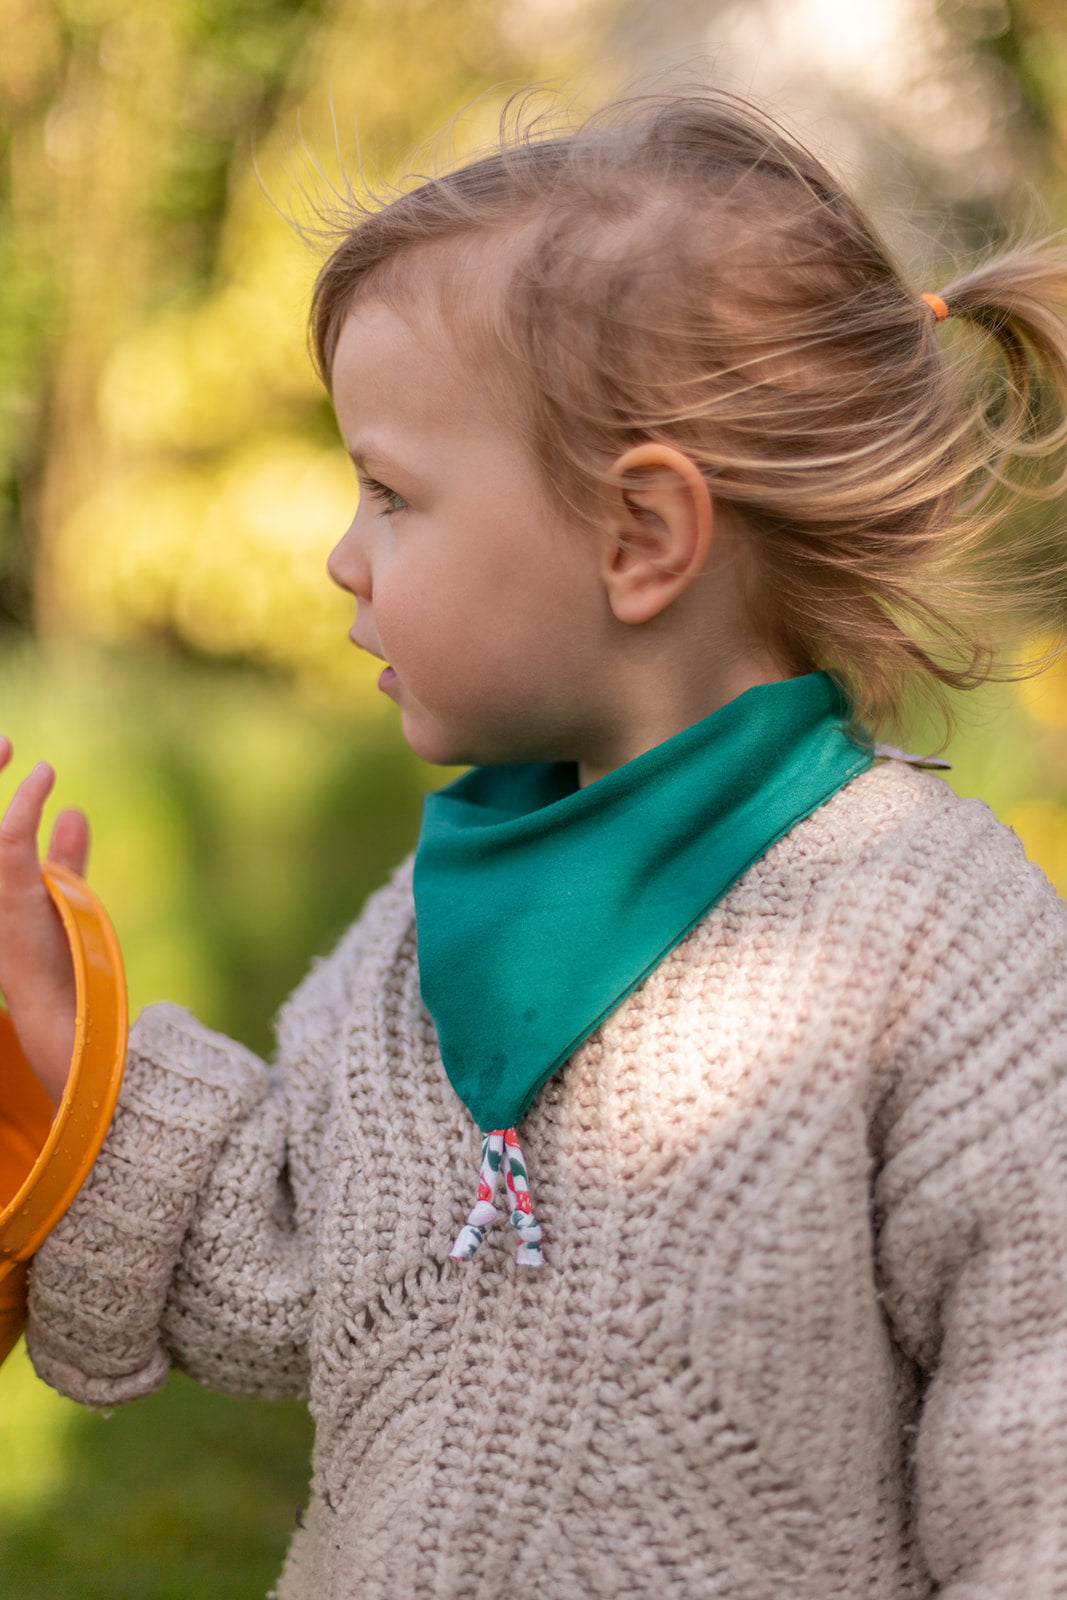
[(170, 484)]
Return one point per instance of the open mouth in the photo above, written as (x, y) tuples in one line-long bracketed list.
[(387, 677)]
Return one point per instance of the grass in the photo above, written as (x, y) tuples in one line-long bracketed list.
[(182, 1495)]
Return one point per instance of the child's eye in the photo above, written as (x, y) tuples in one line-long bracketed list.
[(387, 498)]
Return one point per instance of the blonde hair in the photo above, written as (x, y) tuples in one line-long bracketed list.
[(679, 269)]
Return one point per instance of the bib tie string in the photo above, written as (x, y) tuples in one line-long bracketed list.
[(502, 1158)]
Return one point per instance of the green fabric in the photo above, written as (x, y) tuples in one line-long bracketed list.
[(540, 905)]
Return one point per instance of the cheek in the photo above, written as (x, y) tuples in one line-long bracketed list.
[(428, 628), (479, 617), (423, 608)]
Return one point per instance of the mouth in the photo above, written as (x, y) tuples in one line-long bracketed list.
[(387, 677)]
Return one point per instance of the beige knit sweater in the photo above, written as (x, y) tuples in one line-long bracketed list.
[(803, 1331)]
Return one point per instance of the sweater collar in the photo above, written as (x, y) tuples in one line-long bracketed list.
[(540, 906)]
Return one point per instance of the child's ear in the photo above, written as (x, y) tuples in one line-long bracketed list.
[(661, 521)]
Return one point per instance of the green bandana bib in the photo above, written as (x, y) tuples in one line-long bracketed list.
[(540, 906)]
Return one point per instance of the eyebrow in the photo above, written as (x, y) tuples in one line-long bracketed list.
[(367, 454)]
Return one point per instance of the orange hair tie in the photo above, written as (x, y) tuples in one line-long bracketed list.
[(937, 305)]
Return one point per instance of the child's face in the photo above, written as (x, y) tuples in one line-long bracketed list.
[(485, 601)]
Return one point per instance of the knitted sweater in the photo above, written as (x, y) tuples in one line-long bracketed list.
[(803, 1327)]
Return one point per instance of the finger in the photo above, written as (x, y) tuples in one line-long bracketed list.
[(19, 867), (70, 841), (5, 751)]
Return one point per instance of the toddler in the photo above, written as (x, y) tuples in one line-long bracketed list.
[(755, 1036)]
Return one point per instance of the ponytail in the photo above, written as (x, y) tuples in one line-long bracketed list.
[(1018, 300), (1006, 568)]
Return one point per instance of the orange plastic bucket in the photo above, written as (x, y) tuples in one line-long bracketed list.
[(44, 1159)]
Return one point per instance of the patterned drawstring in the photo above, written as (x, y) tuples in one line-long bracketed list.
[(502, 1154)]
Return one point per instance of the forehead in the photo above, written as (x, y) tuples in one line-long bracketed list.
[(403, 368), (416, 411)]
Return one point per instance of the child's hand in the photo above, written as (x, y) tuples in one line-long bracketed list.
[(36, 970)]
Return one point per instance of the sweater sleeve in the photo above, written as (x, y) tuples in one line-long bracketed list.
[(972, 1204), (188, 1243)]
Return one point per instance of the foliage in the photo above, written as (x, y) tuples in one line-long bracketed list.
[(169, 464)]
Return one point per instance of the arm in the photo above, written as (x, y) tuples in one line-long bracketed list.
[(972, 1197), (182, 1245), (191, 1241), (101, 1284)]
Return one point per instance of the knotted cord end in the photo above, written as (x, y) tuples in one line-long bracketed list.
[(502, 1158)]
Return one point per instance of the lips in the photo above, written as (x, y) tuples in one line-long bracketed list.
[(387, 677)]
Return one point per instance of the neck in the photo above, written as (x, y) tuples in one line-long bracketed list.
[(661, 703)]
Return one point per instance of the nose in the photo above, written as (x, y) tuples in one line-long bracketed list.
[(348, 566)]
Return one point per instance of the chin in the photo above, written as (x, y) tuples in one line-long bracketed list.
[(437, 747), (442, 751)]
